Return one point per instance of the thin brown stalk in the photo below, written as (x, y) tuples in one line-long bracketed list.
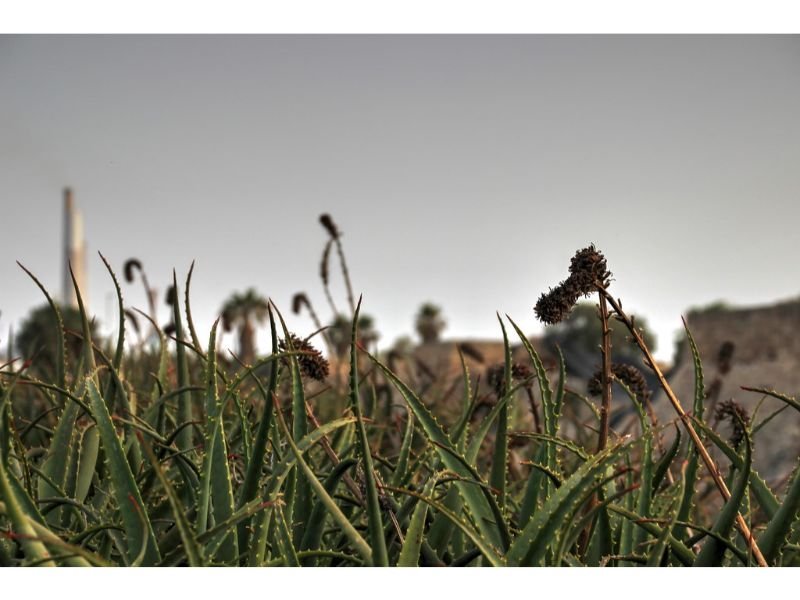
[(151, 301), (334, 458), (345, 275), (741, 524), (605, 407), (534, 409), (324, 275), (348, 480), (317, 323), (605, 375)]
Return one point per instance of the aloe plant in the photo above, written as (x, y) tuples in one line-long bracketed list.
[(171, 454)]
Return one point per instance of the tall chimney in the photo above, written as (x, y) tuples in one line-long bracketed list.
[(74, 253)]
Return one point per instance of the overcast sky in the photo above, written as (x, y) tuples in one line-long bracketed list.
[(465, 170)]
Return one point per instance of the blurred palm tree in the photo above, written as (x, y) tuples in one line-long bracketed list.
[(429, 323), (37, 337), (241, 311), (339, 332)]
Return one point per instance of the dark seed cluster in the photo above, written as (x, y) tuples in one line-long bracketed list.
[(588, 270), (627, 374), (312, 363), (735, 413), (520, 372), (554, 306), (495, 376)]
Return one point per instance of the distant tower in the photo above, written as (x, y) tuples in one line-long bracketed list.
[(74, 253)]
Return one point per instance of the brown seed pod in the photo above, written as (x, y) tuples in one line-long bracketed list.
[(298, 301), (312, 363), (520, 371), (588, 270), (131, 265), (627, 374), (329, 225), (554, 306)]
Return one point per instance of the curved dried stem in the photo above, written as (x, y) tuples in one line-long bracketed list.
[(741, 524), (324, 274), (345, 275)]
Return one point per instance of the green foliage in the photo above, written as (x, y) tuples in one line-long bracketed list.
[(176, 455), (714, 307)]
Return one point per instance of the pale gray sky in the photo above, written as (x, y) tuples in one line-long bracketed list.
[(463, 169)]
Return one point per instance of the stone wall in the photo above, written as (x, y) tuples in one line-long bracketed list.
[(766, 355)]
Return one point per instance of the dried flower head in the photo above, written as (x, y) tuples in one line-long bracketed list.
[(171, 296), (131, 265), (298, 301), (588, 270), (329, 225), (735, 413), (312, 363), (629, 375), (725, 357), (520, 371), (496, 375), (554, 306), (595, 384)]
